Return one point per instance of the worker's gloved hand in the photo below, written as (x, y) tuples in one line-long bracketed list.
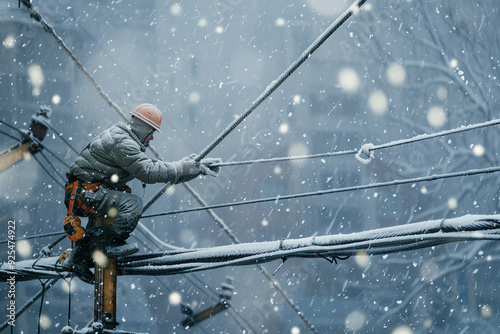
[(208, 168), (187, 169)]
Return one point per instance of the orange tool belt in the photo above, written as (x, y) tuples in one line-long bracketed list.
[(72, 223)]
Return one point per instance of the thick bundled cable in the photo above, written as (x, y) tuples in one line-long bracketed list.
[(372, 242), (96, 328)]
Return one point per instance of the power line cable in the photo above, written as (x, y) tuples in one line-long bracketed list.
[(263, 270), (62, 138), (56, 171), (48, 173), (282, 159), (36, 236), (437, 134), (276, 83), (35, 15), (434, 177), (372, 147), (270, 89), (10, 136)]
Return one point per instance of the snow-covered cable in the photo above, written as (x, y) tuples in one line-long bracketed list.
[(437, 134), (434, 177), (97, 328), (375, 242), (281, 159), (34, 14), (379, 241), (366, 149), (276, 83)]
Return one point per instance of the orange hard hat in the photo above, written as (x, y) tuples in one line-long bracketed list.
[(149, 114)]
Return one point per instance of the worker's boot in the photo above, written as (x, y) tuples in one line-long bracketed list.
[(80, 258), (77, 262)]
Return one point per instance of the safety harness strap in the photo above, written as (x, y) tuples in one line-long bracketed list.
[(73, 198), (74, 187)]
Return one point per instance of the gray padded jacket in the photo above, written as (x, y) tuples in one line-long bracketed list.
[(118, 150)]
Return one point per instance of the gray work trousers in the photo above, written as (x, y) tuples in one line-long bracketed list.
[(121, 212)]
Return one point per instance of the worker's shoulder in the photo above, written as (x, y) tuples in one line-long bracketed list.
[(119, 131), (121, 134)]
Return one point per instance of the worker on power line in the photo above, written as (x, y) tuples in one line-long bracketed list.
[(97, 186)]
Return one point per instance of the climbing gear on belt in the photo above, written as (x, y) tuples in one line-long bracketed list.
[(72, 223), (73, 228)]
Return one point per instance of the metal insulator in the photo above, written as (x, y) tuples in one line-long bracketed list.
[(40, 122), (227, 288)]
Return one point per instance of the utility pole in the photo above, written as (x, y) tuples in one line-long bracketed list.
[(105, 285)]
